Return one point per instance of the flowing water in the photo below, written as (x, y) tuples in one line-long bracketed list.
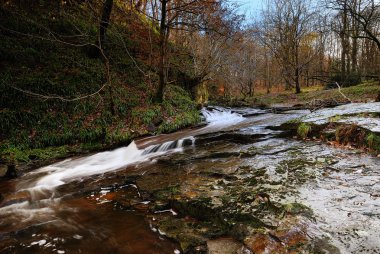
[(121, 201)]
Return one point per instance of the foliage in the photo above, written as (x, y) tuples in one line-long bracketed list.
[(373, 142), (296, 121), (40, 128), (303, 130), (350, 134), (146, 115), (180, 109), (335, 118), (13, 154), (347, 80)]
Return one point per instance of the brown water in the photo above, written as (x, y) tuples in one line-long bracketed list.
[(116, 209)]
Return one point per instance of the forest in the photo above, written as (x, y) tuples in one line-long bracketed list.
[(78, 72), (189, 126)]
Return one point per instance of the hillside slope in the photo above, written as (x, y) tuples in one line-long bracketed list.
[(53, 93)]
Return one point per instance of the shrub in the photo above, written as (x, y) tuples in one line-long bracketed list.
[(373, 141), (303, 130)]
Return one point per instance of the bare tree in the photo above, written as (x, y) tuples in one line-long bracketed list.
[(190, 16), (366, 13), (285, 26), (245, 66)]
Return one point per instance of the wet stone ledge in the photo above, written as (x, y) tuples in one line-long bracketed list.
[(351, 125)]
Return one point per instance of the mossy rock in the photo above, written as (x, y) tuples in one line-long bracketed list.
[(299, 209), (201, 208)]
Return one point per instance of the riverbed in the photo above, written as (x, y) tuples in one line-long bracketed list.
[(237, 185)]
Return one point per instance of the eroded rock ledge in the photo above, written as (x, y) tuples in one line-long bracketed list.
[(355, 125)]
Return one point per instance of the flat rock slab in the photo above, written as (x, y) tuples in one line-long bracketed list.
[(322, 116), (247, 111), (369, 123), (225, 246)]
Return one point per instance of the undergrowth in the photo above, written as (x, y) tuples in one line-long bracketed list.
[(32, 66), (303, 130), (365, 91), (373, 142)]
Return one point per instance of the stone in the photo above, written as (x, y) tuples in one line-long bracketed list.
[(290, 237), (225, 246), (152, 128), (17, 197), (11, 171), (3, 170)]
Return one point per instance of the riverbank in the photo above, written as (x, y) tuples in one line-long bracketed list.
[(177, 112), (57, 100), (310, 97)]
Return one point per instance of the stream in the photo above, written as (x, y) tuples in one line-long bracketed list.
[(237, 185)]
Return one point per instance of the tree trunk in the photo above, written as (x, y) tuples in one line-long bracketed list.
[(251, 88), (160, 92), (104, 22), (95, 51), (297, 80), (297, 69), (354, 50), (354, 55), (267, 81), (345, 42)]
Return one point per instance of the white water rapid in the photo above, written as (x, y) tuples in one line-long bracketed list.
[(74, 169), (221, 116), (45, 180)]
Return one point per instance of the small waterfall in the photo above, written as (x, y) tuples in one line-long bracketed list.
[(52, 176), (169, 145), (218, 115), (66, 171)]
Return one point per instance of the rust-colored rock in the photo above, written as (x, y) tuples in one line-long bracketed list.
[(17, 197), (289, 238)]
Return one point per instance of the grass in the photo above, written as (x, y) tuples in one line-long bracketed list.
[(303, 130), (373, 142), (335, 118), (363, 92), (36, 154)]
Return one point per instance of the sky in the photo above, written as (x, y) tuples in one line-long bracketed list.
[(251, 8)]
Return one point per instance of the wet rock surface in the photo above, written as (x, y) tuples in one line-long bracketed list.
[(322, 116), (268, 200), (370, 123), (353, 125)]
